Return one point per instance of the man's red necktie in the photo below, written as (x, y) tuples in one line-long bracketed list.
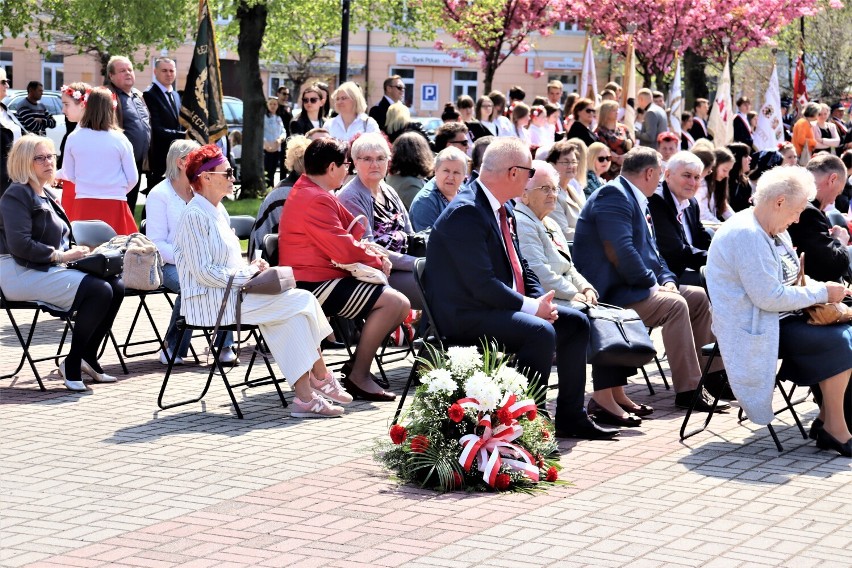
[(510, 249)]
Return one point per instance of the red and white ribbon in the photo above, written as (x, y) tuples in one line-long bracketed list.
[(492, 447)]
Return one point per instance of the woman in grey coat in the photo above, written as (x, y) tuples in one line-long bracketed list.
[(757, 310)]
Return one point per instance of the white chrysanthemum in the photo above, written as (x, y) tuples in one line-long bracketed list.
[(463, 360), (512, 381), (442, 384), (484, 389)]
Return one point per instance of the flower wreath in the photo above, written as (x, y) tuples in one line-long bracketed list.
[(76, 94), (473, 424)]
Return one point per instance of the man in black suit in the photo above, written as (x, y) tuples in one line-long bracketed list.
[(163, 105), (394, 91), (826, 246), (681, 238), (479, 285), (742, 129), (700, 114)]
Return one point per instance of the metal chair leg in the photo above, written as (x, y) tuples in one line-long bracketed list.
[(683, 434)]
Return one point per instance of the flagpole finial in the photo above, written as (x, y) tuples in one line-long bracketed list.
[(726, 41), (631, 28)]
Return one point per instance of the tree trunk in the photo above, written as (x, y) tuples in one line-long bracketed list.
[(695, 79), (103, 59), (252, 26)]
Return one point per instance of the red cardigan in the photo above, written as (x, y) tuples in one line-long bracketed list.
[(312, 232)]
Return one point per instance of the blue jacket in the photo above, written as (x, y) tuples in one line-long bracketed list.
[(613, 248), (467, 268)]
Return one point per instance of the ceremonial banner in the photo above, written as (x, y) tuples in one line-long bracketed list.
[(201, 106), (770, 128), (629, 93), (721, 121), (800, 88), (675, 100), (589, 78)]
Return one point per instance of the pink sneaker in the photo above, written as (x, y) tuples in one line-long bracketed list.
[(318, 407), (330, 388)]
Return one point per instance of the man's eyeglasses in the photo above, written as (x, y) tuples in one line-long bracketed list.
[(530, 171), (464, 143), (227, 173), (399, 87), (590, 111), (602, 159), (311, 100), (42, 159), (547, 189)]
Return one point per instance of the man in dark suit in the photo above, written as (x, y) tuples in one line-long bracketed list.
[(742, 129), (163, 105), (479, 285), (826, 246), (700, 114), (616, 250), (394, 90), (681, 238)]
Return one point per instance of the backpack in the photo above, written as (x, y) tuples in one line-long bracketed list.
[(143, 266)]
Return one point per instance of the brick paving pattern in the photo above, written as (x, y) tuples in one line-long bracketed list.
[(105, 479)]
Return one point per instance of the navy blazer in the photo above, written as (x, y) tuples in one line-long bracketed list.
[(165, 127), (671, 237), (379, 112), (467, 268), (613, 248)]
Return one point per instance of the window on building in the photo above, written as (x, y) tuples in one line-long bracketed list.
[(279, 80), (407, 76), (465, 83), (569, 27), (52, 71), (6, 64)]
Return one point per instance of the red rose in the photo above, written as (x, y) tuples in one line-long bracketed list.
[(545, 434), (398, 434), (531, 415), (502, 482), (456, 412), (552, 474), (419, 444), (504, 416)]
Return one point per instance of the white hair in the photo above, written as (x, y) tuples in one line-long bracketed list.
[(542, 167), (370, 142), (791, 182), (684, 159), (503, 153), (450, 154)]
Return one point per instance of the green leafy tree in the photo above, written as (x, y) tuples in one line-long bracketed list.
[(102, 28)]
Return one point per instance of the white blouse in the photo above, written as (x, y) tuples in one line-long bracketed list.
[(362, 123)]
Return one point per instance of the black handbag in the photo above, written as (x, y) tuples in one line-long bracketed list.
[(618, 337), (101, 264), (416, 243)]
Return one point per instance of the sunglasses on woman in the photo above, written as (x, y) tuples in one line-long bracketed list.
[(311, 100), (603, 159), (228, 173)]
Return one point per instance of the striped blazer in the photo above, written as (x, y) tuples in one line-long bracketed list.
[(207, 252)]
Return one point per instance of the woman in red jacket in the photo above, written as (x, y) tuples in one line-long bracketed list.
[(313, 233)]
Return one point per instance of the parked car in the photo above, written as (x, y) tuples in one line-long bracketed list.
[(233, 108), (52, 100), (430, 125)]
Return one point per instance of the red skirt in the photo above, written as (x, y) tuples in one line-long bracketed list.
[(113, 212), (69, 193)]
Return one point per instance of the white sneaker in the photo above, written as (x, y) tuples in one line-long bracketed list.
[(164, 357), (330, 388), (76, 386), (99, 377), (228, 357), (318, 407)]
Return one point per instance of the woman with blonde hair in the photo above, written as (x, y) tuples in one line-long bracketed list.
[(599, 159), (352, 118), (99, 162), (615, 135)]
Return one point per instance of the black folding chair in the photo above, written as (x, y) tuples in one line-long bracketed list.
[(270, 249), (651, 390), (711, 351), (215, 346), (242, 225)]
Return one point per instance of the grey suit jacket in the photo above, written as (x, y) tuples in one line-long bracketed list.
[(655, 122)]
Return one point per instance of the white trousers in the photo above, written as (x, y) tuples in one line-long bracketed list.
[(293, 325)]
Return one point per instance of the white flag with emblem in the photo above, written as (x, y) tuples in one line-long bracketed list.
[(675, 102), (770, 128), (721, 121)]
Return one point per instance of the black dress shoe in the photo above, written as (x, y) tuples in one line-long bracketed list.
[(717, 383), (826, 441), (603, 416), (640, 411), (703, 404), (816, 426), (361, 394), (586, 429), (326, 344), (347, 369)]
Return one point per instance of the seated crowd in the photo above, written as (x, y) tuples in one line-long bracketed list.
[(531, 214)]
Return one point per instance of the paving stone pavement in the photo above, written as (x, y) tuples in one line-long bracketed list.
[(104, 479)]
